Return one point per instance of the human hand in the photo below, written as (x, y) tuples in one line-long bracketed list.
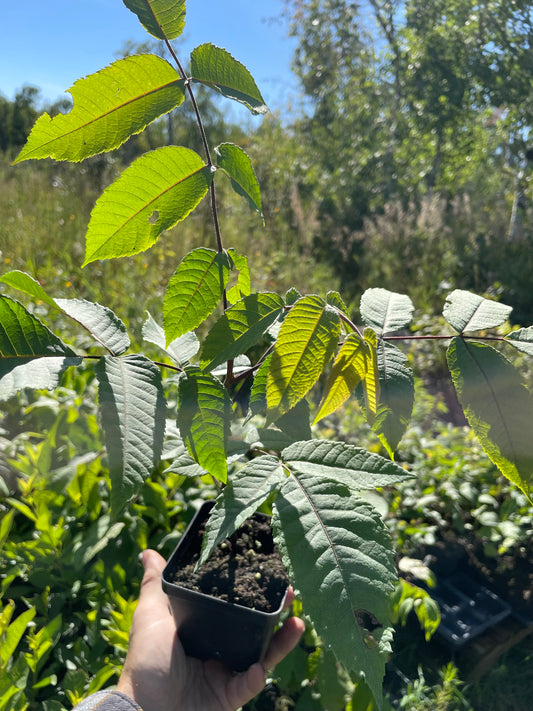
[(160, 677)]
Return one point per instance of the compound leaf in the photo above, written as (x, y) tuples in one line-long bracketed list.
[(386, 311), (109, 107), (247, 490), (132, 408), (344, 463), (336, 548), (203, 410), (239, 328), (164, 19), (306, 342), (469, 312), (154, 193), (498, 407), (238, 167), (194, 290), (216, 67)]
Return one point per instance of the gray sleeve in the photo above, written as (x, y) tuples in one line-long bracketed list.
[(107, 701)]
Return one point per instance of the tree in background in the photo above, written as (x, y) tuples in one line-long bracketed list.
[(407, 102)]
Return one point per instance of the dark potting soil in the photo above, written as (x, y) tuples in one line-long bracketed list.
[(245, 569)]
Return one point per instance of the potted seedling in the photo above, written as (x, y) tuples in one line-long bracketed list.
[(228, 609), (242, 410)]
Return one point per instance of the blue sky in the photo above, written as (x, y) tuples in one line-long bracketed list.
[(51, 44)]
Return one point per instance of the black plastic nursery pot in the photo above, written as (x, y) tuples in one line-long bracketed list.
[(209, 627)]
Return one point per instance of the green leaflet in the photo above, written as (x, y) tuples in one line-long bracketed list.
[(239, 328), (295, 424), (102, 323), (468, 312), (371, 385), (28, 285), (347, 372), (181, 350), (242, 288), (339, 554), (258, 401), (182, 462), (385, 311), (23, 337), (154, 193), (306, 342), (522, 339), (238, 166), (39, 373), (99, 321), (344, 463), (194, 290), (109, 107), (203, 412), (164, 19), (397, 395), (333, 298), (132, 409), (216, 67), (248, 489), (498, 407)]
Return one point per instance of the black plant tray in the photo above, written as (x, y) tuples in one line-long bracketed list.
[(467, 609), (211, 628)]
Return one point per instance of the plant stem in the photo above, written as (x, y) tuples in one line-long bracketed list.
[(214, 210)]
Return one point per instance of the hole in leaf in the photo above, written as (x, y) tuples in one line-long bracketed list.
[(154, 217)]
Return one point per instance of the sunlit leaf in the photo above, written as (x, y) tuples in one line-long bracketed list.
[(28, 285), (132, 408), (238, 166), (498, 407), (194, 291), (242, 288), (522, 339), (216, 67), (239, 328), (371, 384), (385, 311), (164, 19), (469, 312), (203, 411), (347, 372), (109, 107), (22, 335), (103, 325), (306, 342), (154, 193)]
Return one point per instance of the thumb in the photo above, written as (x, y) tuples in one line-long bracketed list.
[(152, 595)]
